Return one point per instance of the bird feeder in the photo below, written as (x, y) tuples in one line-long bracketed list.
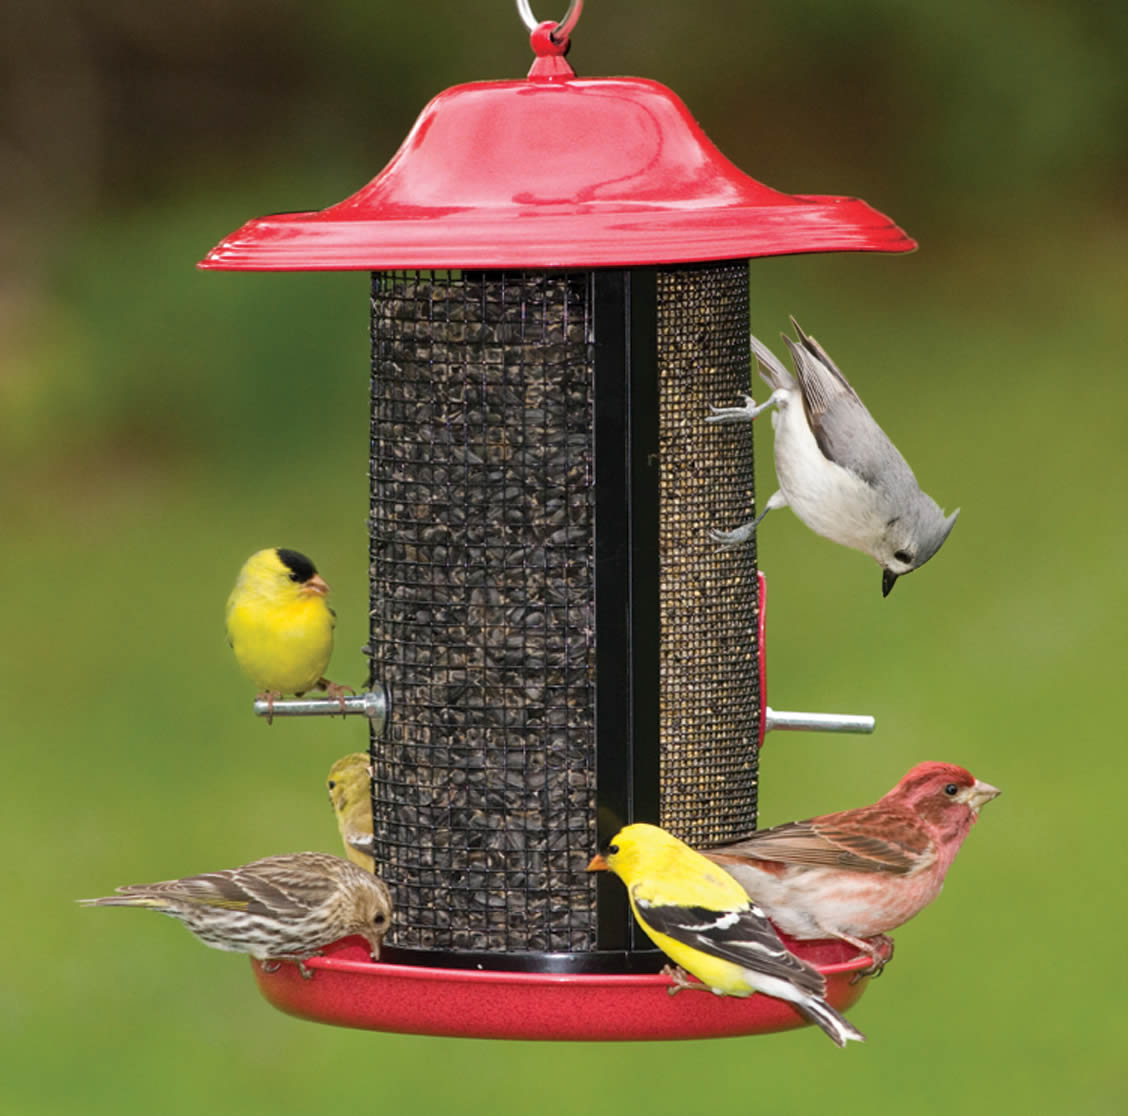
[(559, 291)]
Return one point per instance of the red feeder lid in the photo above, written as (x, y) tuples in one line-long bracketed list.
[(555, 171)]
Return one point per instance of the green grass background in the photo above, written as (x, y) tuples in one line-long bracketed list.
[(158, 424)]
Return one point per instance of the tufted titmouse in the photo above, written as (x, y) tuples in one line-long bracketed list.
[(837, 469)]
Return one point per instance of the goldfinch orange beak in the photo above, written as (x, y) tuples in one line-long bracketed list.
[(596, 864), (316, 584)]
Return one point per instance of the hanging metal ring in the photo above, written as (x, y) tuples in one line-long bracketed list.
[(563, 29)]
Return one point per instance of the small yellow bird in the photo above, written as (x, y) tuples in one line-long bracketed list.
[(280, 626), (703, 920), (350, 794)]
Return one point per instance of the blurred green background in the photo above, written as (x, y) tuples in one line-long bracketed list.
[(158, 424)]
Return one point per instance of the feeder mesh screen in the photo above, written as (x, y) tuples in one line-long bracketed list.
[(710, 683), (482, 594), (481, 607)]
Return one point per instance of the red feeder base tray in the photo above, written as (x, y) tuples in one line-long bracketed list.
[(349, 990)]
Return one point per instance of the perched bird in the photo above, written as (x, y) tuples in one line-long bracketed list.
[(280, 908), (350, 795), (861, 873), (280, 627), (701, 918), (836, 468)]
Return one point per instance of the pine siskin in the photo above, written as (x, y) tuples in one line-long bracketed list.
[(350, 794), (280, 908)]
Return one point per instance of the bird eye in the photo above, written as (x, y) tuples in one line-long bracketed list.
[(332, 784), (903, 556), (612, 849), (378, 920), (951, 790)]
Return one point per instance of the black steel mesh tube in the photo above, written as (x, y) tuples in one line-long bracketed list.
[(485, 568), (482, 626)]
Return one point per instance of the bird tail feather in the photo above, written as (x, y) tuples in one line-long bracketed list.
[(772, 372), (836, 1026), (122, 901)]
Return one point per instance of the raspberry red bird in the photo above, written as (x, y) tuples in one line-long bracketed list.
[(858, 874)]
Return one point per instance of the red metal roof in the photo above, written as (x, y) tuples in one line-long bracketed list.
[(550, 172)]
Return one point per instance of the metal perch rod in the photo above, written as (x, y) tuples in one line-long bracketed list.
[(373, 705), (817, 722)]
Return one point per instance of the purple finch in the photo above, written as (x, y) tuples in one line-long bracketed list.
[(860, 873)]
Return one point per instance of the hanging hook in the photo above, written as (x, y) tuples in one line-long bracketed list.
[(562, 30)]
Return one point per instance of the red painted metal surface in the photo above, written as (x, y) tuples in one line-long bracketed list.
[(549, 64), (349, 990), (555, 171)]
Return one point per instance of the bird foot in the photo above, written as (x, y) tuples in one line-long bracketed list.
[(681, 980), (874, 949), (730, 540), (745, 413), (269, 697), (273, 964), (336, 691)]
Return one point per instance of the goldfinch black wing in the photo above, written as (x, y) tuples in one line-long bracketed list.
[(744, 937)]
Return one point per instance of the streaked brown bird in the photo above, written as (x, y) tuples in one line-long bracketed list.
[(280, 908)]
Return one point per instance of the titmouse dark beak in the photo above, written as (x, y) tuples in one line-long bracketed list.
[(888, 580)]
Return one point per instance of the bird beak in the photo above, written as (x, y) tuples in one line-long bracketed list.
[(374, 945), (888, 580), (980, 793), (596, 864), (316, 584)]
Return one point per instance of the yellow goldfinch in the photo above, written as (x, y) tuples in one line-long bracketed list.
[(703, 920), (350, 794), (280, 626)]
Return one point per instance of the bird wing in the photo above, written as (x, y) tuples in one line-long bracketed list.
[(291, 883), (274, 886), (745, 937), (872, 839), (844, 429), (212, 889)]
